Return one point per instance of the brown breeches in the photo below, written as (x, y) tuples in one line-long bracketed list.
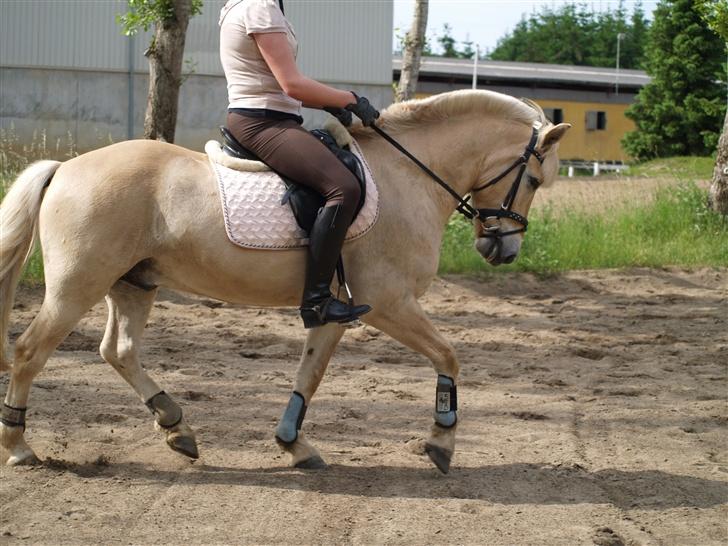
[(293, 152)]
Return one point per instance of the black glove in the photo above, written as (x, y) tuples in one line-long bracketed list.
[(363, 110), (344, 116)]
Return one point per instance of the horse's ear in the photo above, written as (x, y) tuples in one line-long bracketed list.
[(553, 135)]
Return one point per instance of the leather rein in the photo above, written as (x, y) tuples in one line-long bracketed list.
[(465, 208)]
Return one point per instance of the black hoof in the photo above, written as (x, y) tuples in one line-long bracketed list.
[(312, 463), (184, 445), (440, 456)]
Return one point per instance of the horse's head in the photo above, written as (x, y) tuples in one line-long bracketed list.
[(504, 195)]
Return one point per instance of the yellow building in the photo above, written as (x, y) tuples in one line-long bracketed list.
[(592, 99)]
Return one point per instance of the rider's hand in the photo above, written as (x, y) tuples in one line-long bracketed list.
[(363, 110), (344, 116)]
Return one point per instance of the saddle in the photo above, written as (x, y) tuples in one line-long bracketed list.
[(304, 201)]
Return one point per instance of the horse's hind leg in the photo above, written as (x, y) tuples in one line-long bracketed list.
[(406, 322), (59, 313), (129, 309), (317, 351)]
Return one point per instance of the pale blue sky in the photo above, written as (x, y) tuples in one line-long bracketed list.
[(484, 21)]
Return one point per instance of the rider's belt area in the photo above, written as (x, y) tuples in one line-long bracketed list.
[(265, 113)]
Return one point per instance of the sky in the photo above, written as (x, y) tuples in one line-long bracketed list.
[(485, 21)]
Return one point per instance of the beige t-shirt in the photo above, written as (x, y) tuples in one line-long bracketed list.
[(250, 82)]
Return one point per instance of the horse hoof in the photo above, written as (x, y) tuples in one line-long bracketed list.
[(24, 459), (312, 463), (184, 445), (440, 456)]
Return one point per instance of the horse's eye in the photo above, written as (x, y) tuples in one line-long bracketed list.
[(533, 181)]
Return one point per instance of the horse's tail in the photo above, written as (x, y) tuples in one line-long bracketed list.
[(18, 230)]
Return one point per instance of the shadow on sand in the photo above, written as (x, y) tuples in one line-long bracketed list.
[(518, 483)]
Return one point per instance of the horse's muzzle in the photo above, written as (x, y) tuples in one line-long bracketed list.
[(499, 250)]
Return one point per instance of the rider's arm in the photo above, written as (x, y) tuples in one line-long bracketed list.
[(279, 57)]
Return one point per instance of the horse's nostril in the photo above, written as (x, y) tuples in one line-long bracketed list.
[(509, 259)]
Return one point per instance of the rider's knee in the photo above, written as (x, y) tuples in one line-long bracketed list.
[(351, 192)]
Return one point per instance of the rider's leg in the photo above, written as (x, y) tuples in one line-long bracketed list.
[(295, 153), (318, 305)]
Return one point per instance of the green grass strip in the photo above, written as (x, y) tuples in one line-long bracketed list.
[(676, 229)]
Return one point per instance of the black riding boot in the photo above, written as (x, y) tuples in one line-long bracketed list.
[(318, 305)]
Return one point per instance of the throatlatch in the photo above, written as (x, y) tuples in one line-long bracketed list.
[(446, 402), (13, 417), (167, 412), (287, 431)]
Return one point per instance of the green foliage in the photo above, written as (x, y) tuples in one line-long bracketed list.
[(447, 42), (677, 228), (16, 156), (577, 35), (448, 45), (680, 168), (681, 111), (715, 13), (33, 273), (143, 14)]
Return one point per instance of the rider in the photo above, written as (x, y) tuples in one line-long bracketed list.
[(258, 48)]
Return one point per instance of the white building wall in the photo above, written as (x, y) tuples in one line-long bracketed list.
[(66, 68)]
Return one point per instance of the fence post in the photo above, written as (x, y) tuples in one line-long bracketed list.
[(571, 171), (596, 168)]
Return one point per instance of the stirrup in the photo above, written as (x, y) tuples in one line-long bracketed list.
[(315, 315)]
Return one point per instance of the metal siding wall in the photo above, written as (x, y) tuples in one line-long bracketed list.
[(68, 34), (340, 41), (202, 45), (344, 40)]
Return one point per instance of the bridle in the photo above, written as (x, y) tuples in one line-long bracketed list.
[(506, 208), (465, 208)]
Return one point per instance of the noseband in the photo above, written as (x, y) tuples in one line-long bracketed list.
[(465, 208)]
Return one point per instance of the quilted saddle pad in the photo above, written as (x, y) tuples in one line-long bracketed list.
[(255, 217)]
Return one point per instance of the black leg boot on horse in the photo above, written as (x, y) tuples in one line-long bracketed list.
[(318, 305)]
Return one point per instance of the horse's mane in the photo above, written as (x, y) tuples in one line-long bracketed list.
[(404, 115)]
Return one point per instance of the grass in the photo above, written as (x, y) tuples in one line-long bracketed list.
[(680, 168), (34, 268), (676, 228), (16, 156)]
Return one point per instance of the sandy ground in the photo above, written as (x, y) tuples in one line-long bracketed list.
[(593, 411)]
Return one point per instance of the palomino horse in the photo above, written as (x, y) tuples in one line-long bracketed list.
[(122, 220)]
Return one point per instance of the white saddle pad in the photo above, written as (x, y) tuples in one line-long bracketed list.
[(255, 217)]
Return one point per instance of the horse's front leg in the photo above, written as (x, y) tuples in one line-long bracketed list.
[(317, 351), (408, 324)]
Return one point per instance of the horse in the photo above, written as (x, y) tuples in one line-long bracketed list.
[(121, 221)]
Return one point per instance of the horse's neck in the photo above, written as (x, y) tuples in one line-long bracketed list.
[(453, 149)]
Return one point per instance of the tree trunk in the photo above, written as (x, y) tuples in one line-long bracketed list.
[(165, 72), (413, 45), (719, 187)]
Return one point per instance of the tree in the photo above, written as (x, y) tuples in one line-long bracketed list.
[(575, 34), (680, 110), (165, 52), (468, 50), (715, 13), (447, 42), (412, 56)]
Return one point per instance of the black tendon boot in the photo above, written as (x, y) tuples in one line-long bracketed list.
[(318, 305)]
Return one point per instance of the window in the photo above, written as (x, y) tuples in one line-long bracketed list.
[(596, 121), (555, 115)]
